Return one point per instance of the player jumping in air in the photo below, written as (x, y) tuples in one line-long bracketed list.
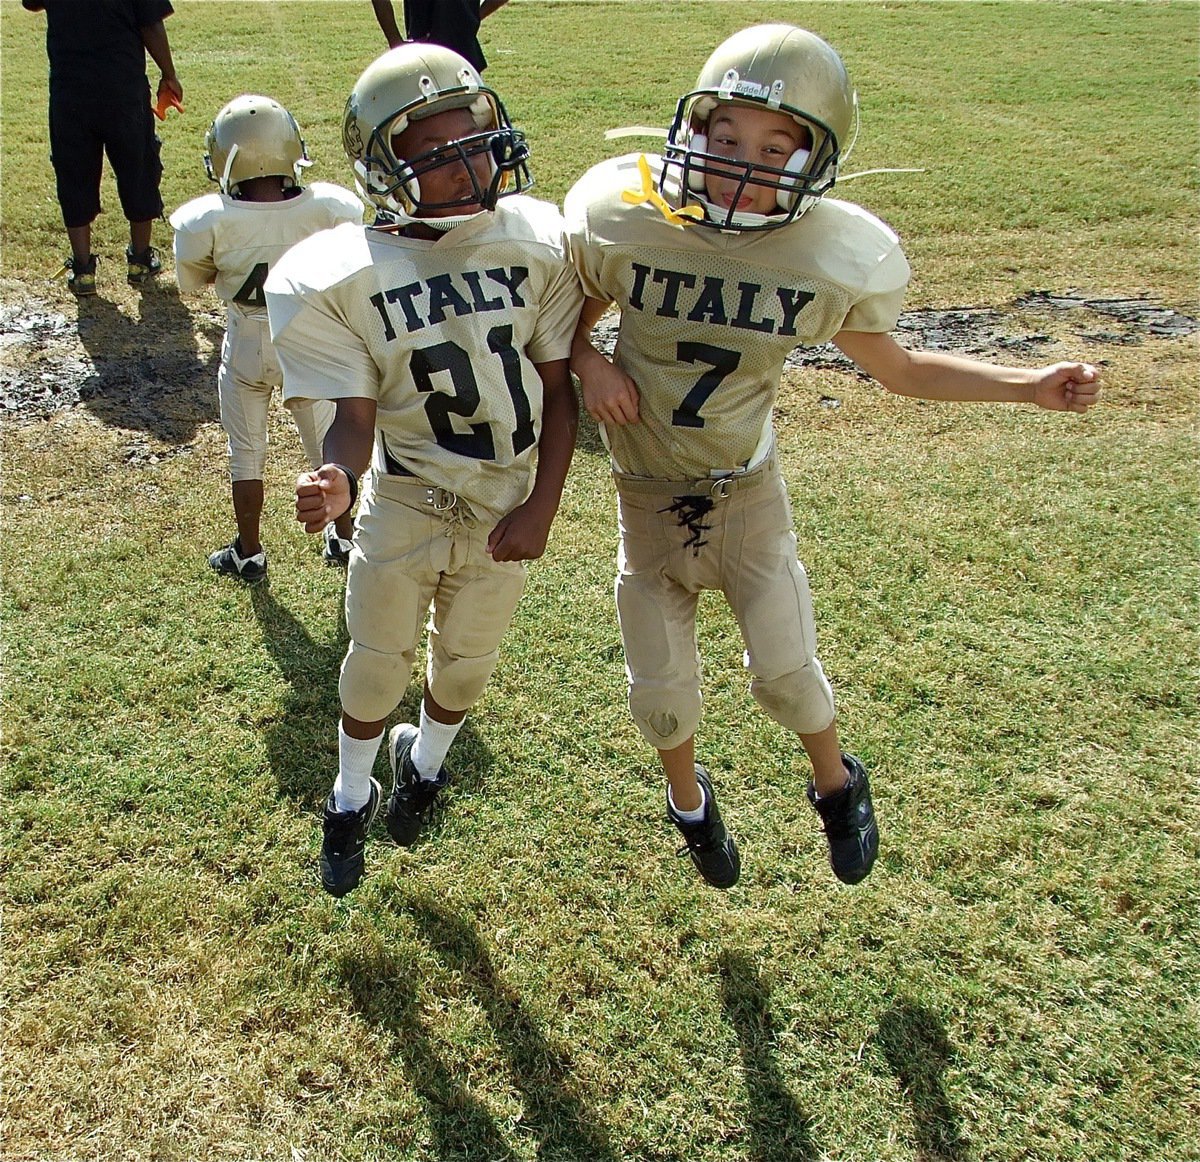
[(723, 255), (442, 333)]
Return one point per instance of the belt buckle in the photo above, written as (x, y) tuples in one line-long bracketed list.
[(721, 489), (440, 499)]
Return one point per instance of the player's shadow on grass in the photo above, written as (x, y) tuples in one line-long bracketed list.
[(778, 1127), (388, 992), (302, 743), (915, 1045), (149, 374), (302, 740)]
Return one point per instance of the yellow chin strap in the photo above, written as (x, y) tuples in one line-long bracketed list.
[(684, 216)]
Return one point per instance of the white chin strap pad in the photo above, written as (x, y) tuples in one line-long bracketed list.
[(698, 144), (795, 164)]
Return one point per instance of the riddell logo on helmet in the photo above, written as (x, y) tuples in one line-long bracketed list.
[(751, 89)]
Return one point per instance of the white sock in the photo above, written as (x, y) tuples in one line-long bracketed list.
[(694, 816), (356, 760), (433, 744)]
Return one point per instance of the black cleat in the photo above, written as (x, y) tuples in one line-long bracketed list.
[(850, 826), (230, 562), (342, 860), (411, 802), (142, 267), (81, 276), (711, 847), (336, 550)]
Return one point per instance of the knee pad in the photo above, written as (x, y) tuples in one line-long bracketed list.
[(665, 717), (457, 683), (372, 683), (801, 701), (246, 463)]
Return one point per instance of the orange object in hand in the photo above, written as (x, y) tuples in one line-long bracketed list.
[(166, 100)]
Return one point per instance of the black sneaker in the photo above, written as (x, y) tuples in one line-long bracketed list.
[(711, 847), (342, 859), (411, 801), (81, 277), (337, 550), (144, 266), (850, 826), (230, 562)]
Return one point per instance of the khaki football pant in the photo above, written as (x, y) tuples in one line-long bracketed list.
[(249, 372), (408, 557), (749, 554)]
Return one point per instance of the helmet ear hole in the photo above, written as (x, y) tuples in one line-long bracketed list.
[(795, 164), (698, 144)]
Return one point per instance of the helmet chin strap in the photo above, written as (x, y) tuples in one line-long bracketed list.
[(399, 217), (224, 184)]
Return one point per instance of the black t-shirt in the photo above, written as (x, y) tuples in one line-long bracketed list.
[(452, 23), (95, 46)]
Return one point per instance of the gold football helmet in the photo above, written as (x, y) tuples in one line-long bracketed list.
[(253, 137), (771, 66), (416, 80)]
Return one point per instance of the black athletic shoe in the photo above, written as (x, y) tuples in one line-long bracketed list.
[(342, 859), (850, 826), (337, 550), (81, 276), (711, 847), (411, 802), (231, 563), (144, 266)]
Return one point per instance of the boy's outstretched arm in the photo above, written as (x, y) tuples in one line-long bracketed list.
[(609, 395), (1063, 387), (324, 495), (523, 533)]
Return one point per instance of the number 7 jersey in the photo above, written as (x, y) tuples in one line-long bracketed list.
[(444, 335), (708, 316)]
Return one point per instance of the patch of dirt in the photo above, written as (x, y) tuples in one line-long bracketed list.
[(148, 364)]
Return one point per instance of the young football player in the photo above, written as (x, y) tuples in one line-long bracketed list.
[(254, 152), (722, 256), (443, 334)]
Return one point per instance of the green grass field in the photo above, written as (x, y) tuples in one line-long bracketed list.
[(1007, 603)]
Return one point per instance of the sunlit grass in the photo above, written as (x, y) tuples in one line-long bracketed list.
[(1007, 606)]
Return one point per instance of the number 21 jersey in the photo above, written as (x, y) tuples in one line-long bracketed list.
[(444, 335)]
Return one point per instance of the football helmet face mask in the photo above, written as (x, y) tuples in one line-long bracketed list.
[(406, 84), (770, 66), (253, 137)]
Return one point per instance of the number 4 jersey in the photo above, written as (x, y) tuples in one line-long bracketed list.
[(708, 316), (443, 335), (233, 244)]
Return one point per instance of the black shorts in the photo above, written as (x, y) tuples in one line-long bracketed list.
[(84, 127)]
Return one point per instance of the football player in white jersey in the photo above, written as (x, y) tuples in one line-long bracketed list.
[(723, 255), (254, 152), (443, 334)]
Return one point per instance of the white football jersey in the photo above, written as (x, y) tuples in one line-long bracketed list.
[(708, 317), (443, 335), (232, 243)]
